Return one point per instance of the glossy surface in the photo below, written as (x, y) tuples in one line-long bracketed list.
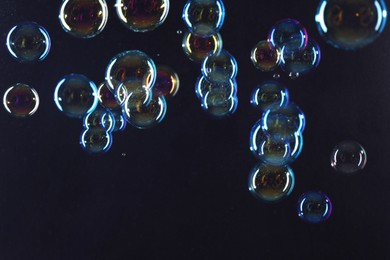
[(142, 15), (107, 99), (219, 103), (271, 183), (348, 157), (120, 120), (202, 86), (95, 141), (288, 33), (20, 100), (219, 68), (197, 48), (265, 57), (269, 93), (100, 119), (350, 25), (83, 18), (314, 207), (167, 82), (28, 42), (204, 17), (75, 95)]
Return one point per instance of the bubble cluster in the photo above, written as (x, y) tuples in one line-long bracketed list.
[(167, 82), (28, 42), (348, 157), (197, 48), (20, 100), (314, 207)]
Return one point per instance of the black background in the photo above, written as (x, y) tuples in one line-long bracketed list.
[(179, 191)]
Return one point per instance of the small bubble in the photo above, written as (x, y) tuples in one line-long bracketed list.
[(293, 75), (348, 157), (276, 76), (179, 32), (123, 154)]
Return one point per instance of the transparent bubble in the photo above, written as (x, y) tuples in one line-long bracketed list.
[(265, 57), (95, 141), (276, 76), (219, 68), (314, 207), (301, 61), (75, 95), (284, 121), (132, 67), (136, 97), (142, 15), (167, 82), (219, 103), (107, 99), (204, 17), (83, 18), (179, 32), (197, 48), (100, 119), (293, 75), (120, 121), (268, 93), (351, 25), (143, 116), (348, 157), (20, 100), (28, 42), (202, 86), (288, 33), (271, 183)]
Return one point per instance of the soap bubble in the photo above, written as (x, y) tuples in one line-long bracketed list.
[(314, 207), (120, 121), (348, 157), (107, 99), (219, 103), (167, 82), (351, 25), (219, 68), (136, 97), (202, 86), (197, 48), (76, 95), (100, 119), (142, 15), (20, 100), (28, 42), (288, 33), (302, 61), (83, 18), (265, 57), (95, 141), (268, 93), (271, 183), (204, 17), (132, 67)]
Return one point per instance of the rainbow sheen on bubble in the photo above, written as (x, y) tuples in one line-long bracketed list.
[(219, 68), (83, 18), (142, 15), (197, 48), (100, 119), (75, 95), (20, 100), (269, 183), (28, 42), (288, 33), (95, 141), (269, 93), (204, 17), (314, 207), (107, 99), (350, 24), (167, 82), (265, 57), (348, 157)]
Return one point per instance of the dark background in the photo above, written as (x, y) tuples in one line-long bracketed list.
[(179, 191)]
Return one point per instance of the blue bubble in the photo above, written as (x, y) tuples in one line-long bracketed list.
[(120, 120), (75, 95), (351, 25), (219, 103), (202, 86), (268, 93), (28, 42), (204, 17), (301, 62), (100, 119), (95, 141), (271, 183), (314, 207), (219, 67), (288, 33)]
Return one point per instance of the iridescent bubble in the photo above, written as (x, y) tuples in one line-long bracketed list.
[(271, 183), (268, 93), (137, 96), (218, 68), (132, 67), (75, 95), (301, 61), (219, 103), (288, 33), (265, 57), (314, 207), (100, 119), (21, 100), (167, 82), (202, 86), (351, 25), (120, 121), (83, 18), (28, 42), (95, 141), (197, 48), (142, 15), (204, 17), (107, 99), (348, 157), (143, 116)]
